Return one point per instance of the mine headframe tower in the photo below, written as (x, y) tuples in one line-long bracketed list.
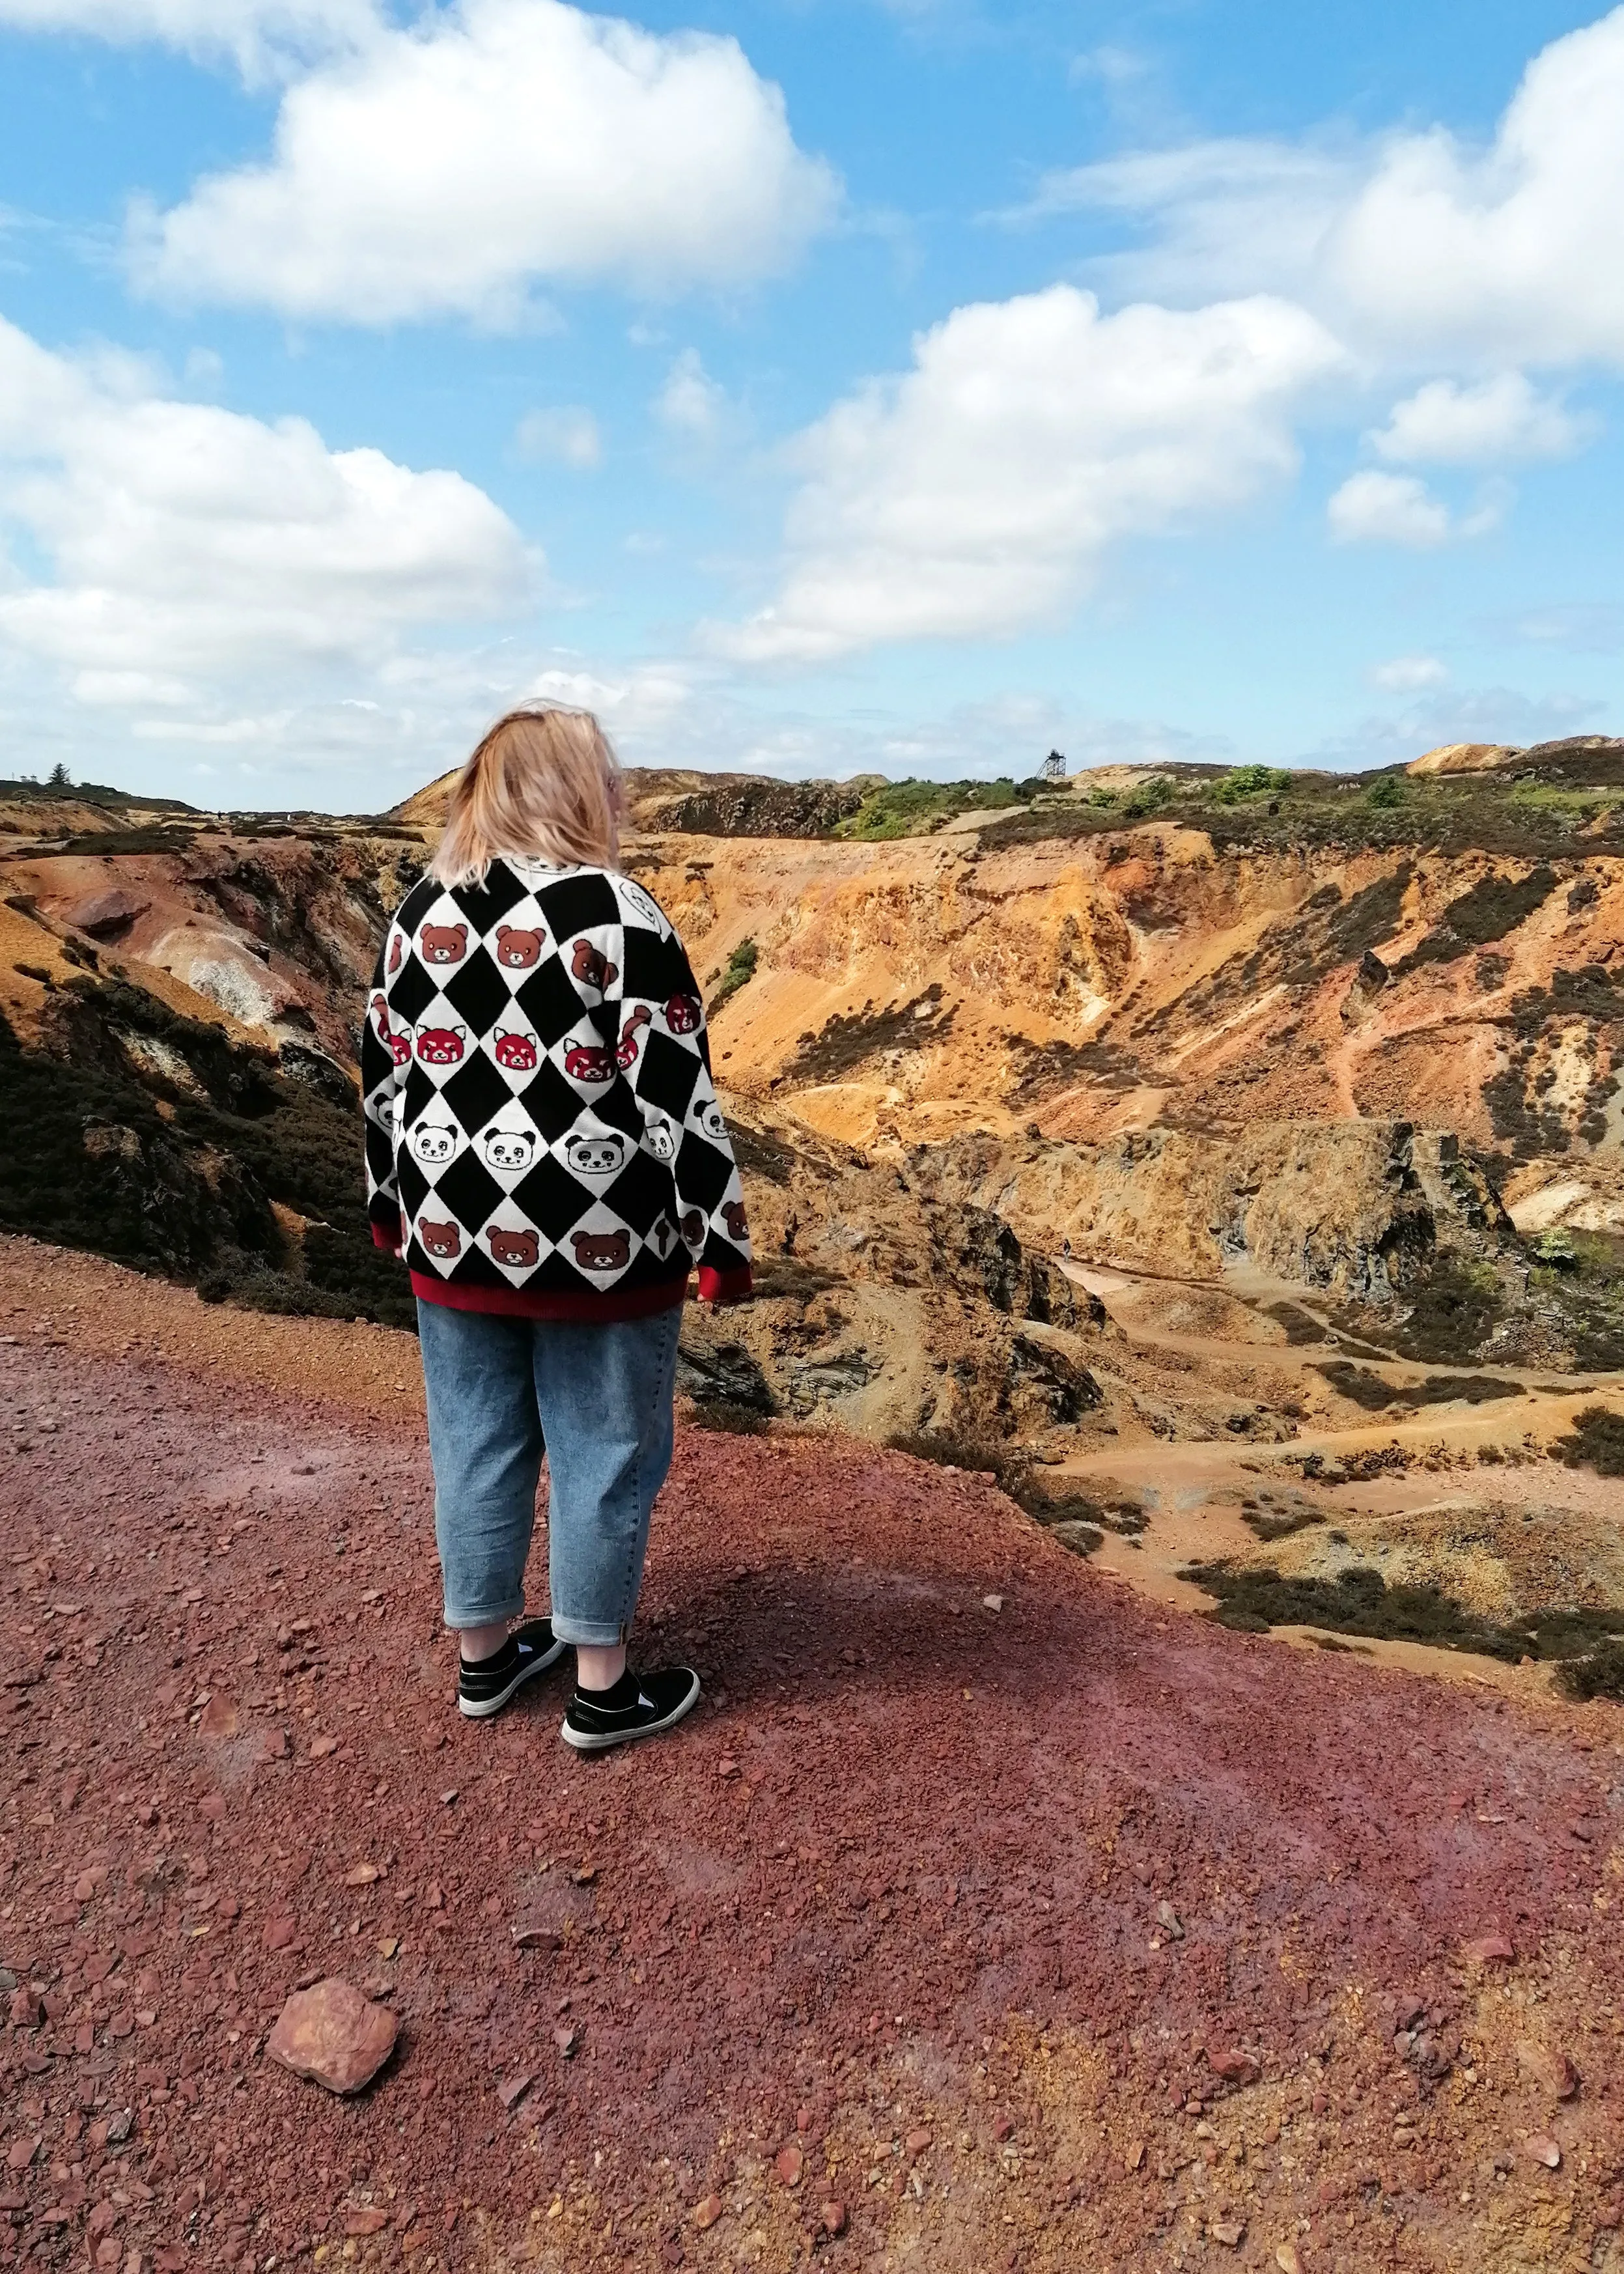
[(1054, 767)]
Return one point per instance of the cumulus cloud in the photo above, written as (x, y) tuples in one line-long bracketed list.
[(187, 549), (453, 167), (691, 402), (974, 494), (1376, 509), (254, 32), (1373, 509), (1416, 244), (1501, 419), (565, 435)]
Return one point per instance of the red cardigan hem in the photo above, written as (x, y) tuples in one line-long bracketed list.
[(551, 1303)]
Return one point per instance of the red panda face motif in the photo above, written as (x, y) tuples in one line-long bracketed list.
[(734, 1218), (400, 1046), (444, 942), (441, 1046), (602, 1251), (590, 1061), (395, 953), (441, 1239), (521, 1250), (693, 1229), (626, 1050), (682, 1014), (518, 950), (592, 967), (516, 1052)]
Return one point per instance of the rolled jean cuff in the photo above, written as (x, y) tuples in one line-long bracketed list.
[(587, 1634), (463, 1615)]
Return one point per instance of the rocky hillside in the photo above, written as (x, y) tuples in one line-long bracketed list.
[(1210, 1025)]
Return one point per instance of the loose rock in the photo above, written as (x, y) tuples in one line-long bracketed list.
[(333, 2035), (1550, 2068)]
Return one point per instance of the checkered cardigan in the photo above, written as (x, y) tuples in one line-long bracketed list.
[(542, 1134)]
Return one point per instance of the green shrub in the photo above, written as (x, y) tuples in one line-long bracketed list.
[(1250, 781), (741, 969)]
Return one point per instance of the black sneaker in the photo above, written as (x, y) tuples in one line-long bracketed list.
[(639, 1705), (484, 1688)]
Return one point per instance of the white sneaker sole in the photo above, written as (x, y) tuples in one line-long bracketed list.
[(481, 1709), (602, 1741)]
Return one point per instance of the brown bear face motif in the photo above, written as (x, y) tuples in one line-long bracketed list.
[(442, 1239), (395, 953), (590, 1061), (602, 1251), (682, 1014), (693, 1229), (592, 967), (440, 1045), (518, 950), (444, 942), (520, 1250), (516, 1052), (734, 1218), (380, 1012)]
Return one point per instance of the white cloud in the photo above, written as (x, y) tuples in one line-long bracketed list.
[(974, 494), (1407, 674), (1417, 245), (1488, 714), (1373, 509), (254, 32), (1517, 250), (451, 167), (565, 435), (190, 548), (691, 405), (1503, 417), (1376, 509)]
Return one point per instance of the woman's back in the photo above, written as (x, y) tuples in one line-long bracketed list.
[(544, 1139)]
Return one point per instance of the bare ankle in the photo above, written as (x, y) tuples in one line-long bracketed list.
[(599, 1667)]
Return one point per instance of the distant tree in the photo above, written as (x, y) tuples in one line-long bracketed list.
[(59, 777)]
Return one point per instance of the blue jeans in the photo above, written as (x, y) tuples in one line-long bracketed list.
[(597, 1398)]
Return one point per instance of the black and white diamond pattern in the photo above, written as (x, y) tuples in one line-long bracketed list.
[(540, 1108)]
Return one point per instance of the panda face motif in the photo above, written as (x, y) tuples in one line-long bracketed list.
[(507, 1152), (709, 1119), (596, 1157), (636, 899), (662, 1141), (432, 1144)]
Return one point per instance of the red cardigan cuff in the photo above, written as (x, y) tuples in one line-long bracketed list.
[(390, 1241), (724, 1287)]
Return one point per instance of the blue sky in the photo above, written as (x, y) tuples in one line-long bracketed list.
[(808, 387)]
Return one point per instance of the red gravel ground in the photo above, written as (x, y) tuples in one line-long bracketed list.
[(1067, 1934)]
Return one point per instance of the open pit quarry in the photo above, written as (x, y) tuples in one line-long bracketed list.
[(1180, 1418)]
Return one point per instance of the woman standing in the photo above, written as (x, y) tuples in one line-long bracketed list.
[(544, 1147)]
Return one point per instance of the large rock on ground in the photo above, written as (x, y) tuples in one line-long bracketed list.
[(333, 2035)]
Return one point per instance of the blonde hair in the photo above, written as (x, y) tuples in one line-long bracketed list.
[(542, 781)]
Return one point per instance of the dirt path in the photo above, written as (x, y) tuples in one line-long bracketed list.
[(1070, 1933)]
